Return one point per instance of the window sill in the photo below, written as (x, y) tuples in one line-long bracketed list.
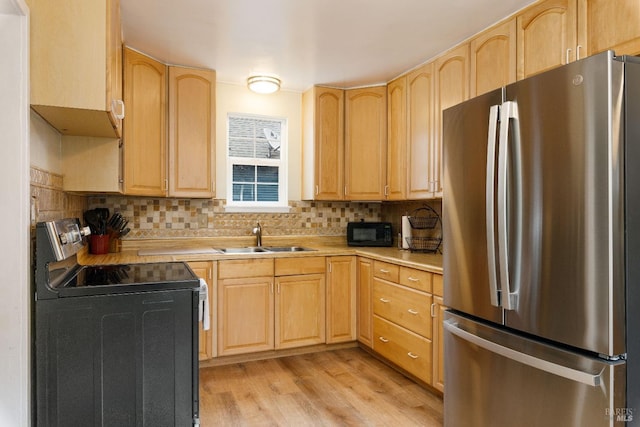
[(257, 209)]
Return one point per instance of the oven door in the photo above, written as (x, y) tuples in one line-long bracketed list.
[(118, 360)]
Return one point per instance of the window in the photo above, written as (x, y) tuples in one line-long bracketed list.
[(256, 167)]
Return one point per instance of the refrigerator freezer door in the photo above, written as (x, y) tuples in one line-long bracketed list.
[(470, 135), (496, 378), (565, 222)]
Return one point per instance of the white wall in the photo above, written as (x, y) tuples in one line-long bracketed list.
[(232, 98), (15, 303), (45, 145)]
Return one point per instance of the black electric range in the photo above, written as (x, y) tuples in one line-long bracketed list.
[(114, 344)]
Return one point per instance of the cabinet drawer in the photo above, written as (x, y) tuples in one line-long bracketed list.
[(386, 271), (302, 265), (403, 347), (416, 279), (438, 287), (406, 307), (235, 268)]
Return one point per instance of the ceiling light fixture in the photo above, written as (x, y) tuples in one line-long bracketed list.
[(263, 84)]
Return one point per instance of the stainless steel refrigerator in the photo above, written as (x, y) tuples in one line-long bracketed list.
[(541, 223)]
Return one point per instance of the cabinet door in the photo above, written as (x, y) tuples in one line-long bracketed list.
[(420, 132), (606, 24), (341, 299), (363, 294), (452, 87), (114, 68), (205, 270), (192, 99), (114, 360), (438, 343), (245, 315), (73, 66), (546, 35), (145, 150), (299, 310), (323, 144), (493, 58), (397, 139), (365, 143)]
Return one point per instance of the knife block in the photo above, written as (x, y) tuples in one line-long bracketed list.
[(115, 244)]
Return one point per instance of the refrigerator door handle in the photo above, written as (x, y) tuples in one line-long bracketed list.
[(523, 358), (494, 112), (508, 111)]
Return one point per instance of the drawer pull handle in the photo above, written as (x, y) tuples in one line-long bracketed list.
[(382, 270), (412, 311), (411, 355), (384, 300), (413, 279), (383, 339)]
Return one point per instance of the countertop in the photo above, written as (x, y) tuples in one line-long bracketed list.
[(322, 247)]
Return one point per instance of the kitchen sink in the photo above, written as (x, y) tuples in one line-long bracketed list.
[(245, 250), (287, 249), (265, 249)]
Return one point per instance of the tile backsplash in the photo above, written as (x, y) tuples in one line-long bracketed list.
[(49, 201), (152, 218)]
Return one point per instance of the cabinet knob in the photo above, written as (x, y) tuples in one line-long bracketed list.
[(384, 300), (383, 339), (412, 311), (413, 356)]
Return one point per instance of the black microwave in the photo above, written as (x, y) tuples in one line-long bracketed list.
[(369, 234)]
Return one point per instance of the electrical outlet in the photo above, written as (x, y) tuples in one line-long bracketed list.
[(203, 220)]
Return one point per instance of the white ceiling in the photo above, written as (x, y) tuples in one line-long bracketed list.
[(343, 43)]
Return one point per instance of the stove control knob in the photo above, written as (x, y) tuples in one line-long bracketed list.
[(85, 231)]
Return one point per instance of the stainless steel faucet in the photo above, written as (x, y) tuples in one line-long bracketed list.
[(257, 230)]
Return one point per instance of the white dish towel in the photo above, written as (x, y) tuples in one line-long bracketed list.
[(203, 307)]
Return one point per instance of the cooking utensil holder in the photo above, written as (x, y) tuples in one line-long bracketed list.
[(99, 244)]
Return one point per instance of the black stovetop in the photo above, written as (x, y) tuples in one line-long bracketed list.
[(113, 279)]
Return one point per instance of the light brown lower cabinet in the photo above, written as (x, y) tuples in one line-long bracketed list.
[(267, 304), (245, 306), (438, 333), (438, 344), (299, 302), (206, 270), (363, 296), (341, 299), (406, 312), (406, 349)]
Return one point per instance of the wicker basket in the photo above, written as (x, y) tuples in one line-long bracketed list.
[(423, 218), (424, 244)]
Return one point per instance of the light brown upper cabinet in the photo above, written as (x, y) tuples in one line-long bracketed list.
[(192, 95), (184, 166), (451, 87), (410, 129), (365, 143), (396, 188), (323, 144), (547, 36), (145, 143), (76, 65), (420, 133), (493, 58), (606, 24)]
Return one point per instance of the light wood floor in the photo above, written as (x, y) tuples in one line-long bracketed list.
[(332, 388)]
